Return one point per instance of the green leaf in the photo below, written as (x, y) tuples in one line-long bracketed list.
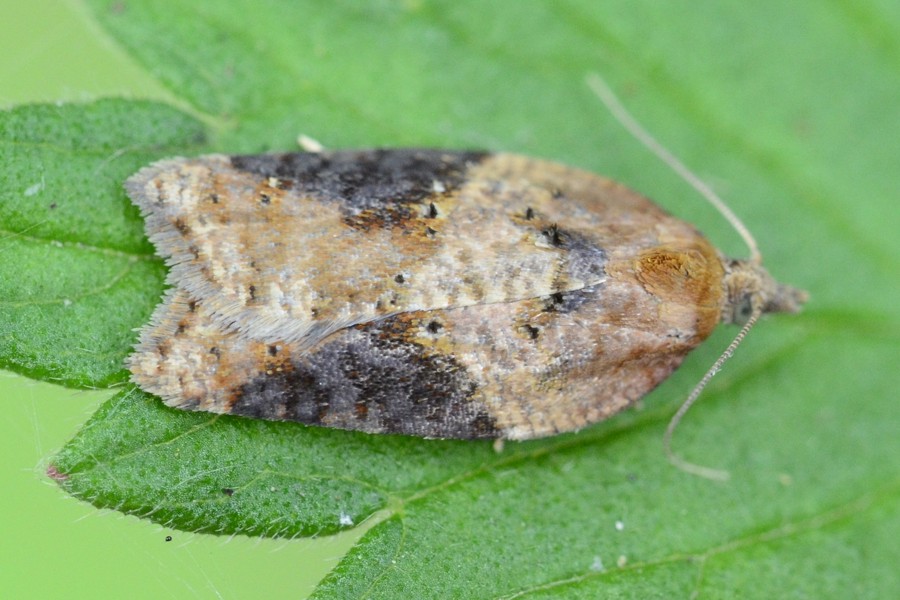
[(789, 108), (92, 276)]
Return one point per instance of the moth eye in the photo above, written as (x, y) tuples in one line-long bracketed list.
[(743, 309)]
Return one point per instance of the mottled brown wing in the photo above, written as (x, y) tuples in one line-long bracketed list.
[(513, 370), (294, 247)]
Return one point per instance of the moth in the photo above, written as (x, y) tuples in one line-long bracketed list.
[(435, 293)]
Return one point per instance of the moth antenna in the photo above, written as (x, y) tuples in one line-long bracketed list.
[(621, 114), (676, 460)]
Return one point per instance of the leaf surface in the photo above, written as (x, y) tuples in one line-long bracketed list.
[(796, 126)]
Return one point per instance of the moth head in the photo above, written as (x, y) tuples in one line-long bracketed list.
[(750, 290)]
